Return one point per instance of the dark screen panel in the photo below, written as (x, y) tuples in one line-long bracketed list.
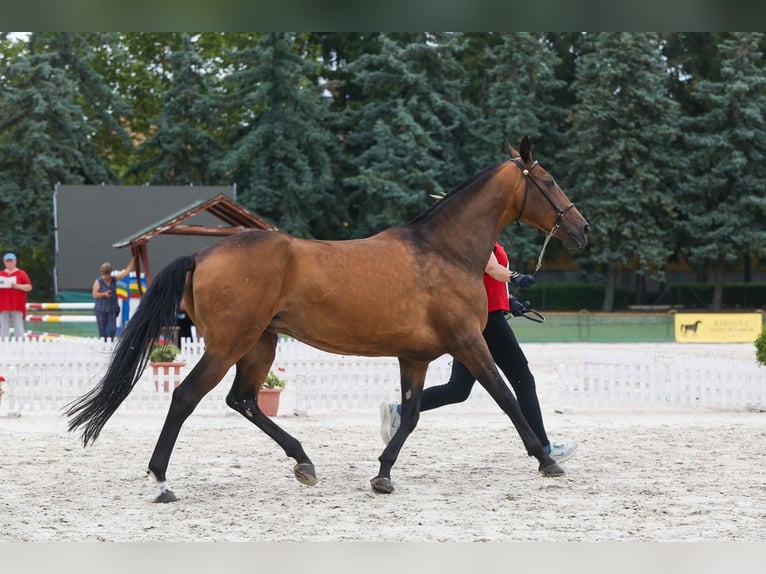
[(91, 218)]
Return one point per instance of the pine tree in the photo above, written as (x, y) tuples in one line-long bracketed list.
[(83, 57), (182, 150), (281, 155), (521, 88), (45, 139), (407, 135), (725, 206), (620, 157)]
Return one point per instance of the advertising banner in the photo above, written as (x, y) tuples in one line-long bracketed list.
[(718, 327)]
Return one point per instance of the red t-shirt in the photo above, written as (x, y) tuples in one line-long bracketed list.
[(14, 299), (497, 291)]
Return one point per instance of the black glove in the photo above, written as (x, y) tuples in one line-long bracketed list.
[(517, 307), (523, 281)]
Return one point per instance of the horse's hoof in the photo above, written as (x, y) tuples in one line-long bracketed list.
[(382, 484), (305, 474), (166, 496), (552, 470)]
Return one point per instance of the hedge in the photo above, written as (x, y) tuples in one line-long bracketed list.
[(575, 296)]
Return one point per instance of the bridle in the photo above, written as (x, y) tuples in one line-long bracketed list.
[(533, 314), (560, 213)]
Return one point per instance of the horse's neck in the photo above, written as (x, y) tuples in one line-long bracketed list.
[(466, 229)]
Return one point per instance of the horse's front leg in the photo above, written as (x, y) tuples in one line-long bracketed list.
[(481, 364), (413, 376)]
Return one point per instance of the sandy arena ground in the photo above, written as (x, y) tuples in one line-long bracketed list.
[(656, 475)]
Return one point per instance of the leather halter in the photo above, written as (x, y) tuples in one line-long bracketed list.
[(560, 213)]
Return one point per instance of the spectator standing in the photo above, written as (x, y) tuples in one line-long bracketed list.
[(107, 306), (14, 286)]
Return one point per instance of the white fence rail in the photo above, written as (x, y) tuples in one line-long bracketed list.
[(44, 376), (639, 380)]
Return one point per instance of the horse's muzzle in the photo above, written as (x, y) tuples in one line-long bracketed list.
[(576, 238)]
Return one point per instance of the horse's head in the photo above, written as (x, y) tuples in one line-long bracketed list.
[(543, 204)]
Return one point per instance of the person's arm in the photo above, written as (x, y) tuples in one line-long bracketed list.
[(95, 292), (124, 273), (25, 286), (500, 273), (497, 271)]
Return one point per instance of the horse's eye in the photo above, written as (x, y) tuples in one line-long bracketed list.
[(549, 183)]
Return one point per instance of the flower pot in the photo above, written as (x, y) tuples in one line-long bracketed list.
[(165, 374), (268, 401)]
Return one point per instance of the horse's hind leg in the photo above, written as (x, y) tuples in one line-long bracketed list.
[(252, 369), (413, 376), (205, 375)]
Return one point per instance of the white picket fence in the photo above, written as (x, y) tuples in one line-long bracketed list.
[(640, 380), (44, 376)]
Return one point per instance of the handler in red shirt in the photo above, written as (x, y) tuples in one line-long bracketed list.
[(14, 286)]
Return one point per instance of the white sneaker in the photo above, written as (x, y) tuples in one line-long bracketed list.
[(389, 421), (563, 451)]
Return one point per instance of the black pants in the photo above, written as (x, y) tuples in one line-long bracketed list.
[(510, 358)]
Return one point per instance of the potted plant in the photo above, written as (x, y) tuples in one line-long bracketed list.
[(271, 388), (162, 357)]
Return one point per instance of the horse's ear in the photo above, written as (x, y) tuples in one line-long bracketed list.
[(526, 150), (511, 151)]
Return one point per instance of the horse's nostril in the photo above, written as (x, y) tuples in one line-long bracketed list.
[(586, 229)]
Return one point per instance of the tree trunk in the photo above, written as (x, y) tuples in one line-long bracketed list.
[(640, 290), (718, 285), (611, 274)]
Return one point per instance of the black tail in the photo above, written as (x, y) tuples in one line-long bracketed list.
[(156, 313)]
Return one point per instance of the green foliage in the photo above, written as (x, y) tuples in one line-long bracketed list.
[(339, 135), (621, 156), (726, 140), (760, 347), (516, 99), (406, 134), (46, 137), (274, 381), (183, 150), (700, 295), (571, 296), (163, 353), (282, 155)]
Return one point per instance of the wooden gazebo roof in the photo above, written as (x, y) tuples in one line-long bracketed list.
[(236, 218)]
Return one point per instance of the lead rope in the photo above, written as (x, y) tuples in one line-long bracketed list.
[(550, 234), (533, 314)]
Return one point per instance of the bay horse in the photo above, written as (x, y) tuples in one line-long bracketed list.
[(245, 290)]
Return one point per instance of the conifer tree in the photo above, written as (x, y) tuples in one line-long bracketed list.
[(621, 163), (280, 155), (45, 139), (408, 135), (182, 149), (83, 57), (724, 204), (521, 88)]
